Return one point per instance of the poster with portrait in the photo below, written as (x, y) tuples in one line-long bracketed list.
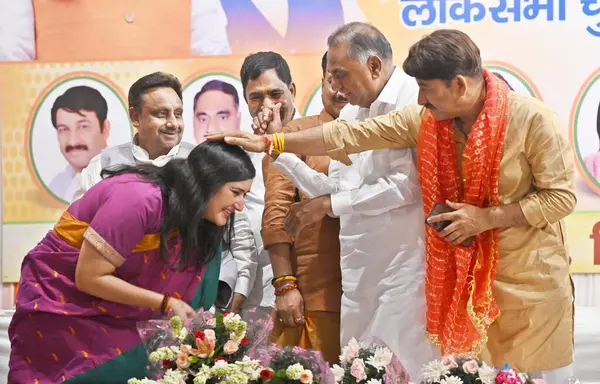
[(56, 117), (73, 120), (213, 101)]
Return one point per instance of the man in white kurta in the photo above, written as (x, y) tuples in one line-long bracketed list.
[(383, 270)]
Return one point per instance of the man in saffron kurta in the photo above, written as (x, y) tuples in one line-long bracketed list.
[(501, 161), (314, 256)]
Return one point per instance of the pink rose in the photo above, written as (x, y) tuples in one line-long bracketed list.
[(506, 377), (449, 362), (471, 367), (353, 351), (306, 377), (182, 361), (210, 335), (358, 370), (187, 349), (230, 347)]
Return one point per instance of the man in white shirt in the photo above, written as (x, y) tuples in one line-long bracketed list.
[(383, 270), (266, 81), (79, 117), (155, 108)]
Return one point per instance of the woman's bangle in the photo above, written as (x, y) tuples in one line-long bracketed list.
[(164, 305)]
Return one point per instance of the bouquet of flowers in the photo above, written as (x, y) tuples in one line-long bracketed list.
[(205, 348), (464, 369), (370, 363), (292, 365)]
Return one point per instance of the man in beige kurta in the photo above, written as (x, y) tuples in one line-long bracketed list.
[(533, 289)]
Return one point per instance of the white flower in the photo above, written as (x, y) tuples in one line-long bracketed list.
[(487, 374), (250, 368), (380, 359), (142, 381), (374, 381), (306, 377), (338, 372), (293, 371), (164, 353), (237, 337), (182, 334), (236, 378), (203, 375), (174, 377), (451, 380), (434, 371), (211, 323), (220, 368)]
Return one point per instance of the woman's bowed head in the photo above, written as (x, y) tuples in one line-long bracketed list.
[(200, 196)]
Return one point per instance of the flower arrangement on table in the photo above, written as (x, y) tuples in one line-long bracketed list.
[(464, 369), (205, 348), (224, 349), (293, 365), (370, 363)]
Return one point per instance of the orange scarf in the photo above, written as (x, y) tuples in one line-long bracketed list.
[(460, 304)]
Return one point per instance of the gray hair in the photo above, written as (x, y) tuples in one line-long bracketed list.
[(364, 40)]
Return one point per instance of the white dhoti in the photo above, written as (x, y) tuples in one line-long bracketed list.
[(383, 280)]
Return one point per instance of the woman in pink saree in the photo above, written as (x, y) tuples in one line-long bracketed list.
[(134, 248)]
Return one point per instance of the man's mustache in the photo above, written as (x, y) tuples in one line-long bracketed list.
[(340, 99), (429, 106), (172, 130), (70, 148)]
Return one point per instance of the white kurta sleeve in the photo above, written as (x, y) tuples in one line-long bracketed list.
[(244, 252), (399, 188), (90, 176), (306, 179), (17, 30)]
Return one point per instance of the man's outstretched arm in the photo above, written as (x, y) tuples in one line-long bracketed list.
[(397, 129)]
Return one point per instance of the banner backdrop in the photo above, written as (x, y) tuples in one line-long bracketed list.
[(549, 51)]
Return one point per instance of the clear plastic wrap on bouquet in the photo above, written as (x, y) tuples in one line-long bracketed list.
[(369, 359), (207, 336), (279, 359)]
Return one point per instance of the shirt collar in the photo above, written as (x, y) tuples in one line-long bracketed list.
[(389, 93), (142, 155)]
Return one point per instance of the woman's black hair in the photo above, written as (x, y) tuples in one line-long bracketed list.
[(187, 186)]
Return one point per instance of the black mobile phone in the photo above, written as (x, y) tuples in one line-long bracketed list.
[(437, 209)]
